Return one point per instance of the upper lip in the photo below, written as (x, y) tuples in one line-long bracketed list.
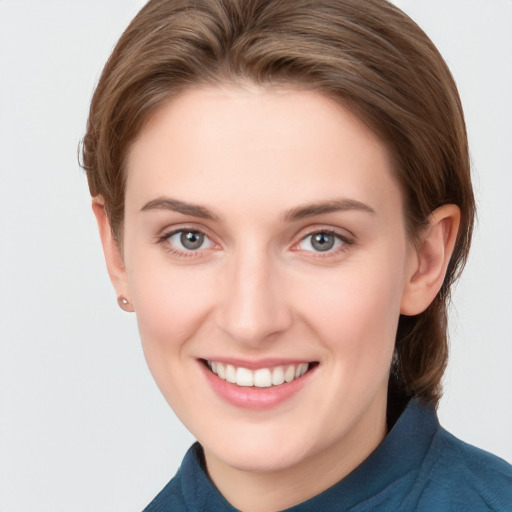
[(259, 363)]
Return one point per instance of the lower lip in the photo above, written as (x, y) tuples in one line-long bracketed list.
[(253, 397)]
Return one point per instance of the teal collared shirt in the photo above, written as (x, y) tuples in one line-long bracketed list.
[(419, 467)]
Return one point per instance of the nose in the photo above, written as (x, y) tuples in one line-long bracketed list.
[(253, 306)]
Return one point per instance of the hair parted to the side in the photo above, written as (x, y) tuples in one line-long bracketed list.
[(366, 54)]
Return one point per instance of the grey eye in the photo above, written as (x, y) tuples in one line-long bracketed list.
[(322, 241), (191, 239)]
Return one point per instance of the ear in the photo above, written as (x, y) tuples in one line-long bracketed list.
[(429, 261), (113, 255)]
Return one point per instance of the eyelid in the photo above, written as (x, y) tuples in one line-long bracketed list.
[(166, 233), (346, 237), (205, 240)]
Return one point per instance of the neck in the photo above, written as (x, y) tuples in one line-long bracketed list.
[(270, 491)]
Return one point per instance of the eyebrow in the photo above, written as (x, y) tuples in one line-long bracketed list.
[(337, 205), (297, 213), (167, 203)]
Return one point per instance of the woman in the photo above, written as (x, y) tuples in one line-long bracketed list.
[(284, 199)]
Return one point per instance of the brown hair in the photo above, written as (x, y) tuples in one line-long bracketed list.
[(367, 54)]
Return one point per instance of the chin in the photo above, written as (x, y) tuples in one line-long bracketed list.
[(261, 452), (258, 461)]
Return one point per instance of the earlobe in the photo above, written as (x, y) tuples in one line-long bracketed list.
[(112, 252), (428, 267)]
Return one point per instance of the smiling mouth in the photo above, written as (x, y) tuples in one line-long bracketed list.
[(262, 377)]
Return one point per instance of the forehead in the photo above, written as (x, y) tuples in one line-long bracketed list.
[(231, 144)]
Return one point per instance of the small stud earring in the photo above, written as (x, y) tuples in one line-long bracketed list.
[(124, 303)]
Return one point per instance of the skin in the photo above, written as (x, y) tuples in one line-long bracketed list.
[(258, 288)]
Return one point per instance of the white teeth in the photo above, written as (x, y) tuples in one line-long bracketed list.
[(244, 377), (289, 374), (221, 371), (261, 378), (277, 376), (231, 373), (303, 369)]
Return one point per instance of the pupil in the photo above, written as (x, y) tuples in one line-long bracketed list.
[(192, 239), (322, 241)]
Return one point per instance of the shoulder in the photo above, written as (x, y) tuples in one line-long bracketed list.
[(191, 489), (465, 476), (169, 498)]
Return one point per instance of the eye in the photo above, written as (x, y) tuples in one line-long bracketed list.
[(321, 241), (188, 240)]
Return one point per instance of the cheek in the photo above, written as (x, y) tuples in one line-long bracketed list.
[(356, 323), (171, 305), (355, 313)]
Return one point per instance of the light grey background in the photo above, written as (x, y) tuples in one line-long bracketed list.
[(82, 426)]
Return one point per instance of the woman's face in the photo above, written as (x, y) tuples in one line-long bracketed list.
[(264, 236)]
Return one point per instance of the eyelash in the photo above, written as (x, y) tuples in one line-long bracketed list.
[(343, 239), (164, 240)]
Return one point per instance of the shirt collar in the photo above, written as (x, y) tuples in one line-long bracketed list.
[(400, 453)]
